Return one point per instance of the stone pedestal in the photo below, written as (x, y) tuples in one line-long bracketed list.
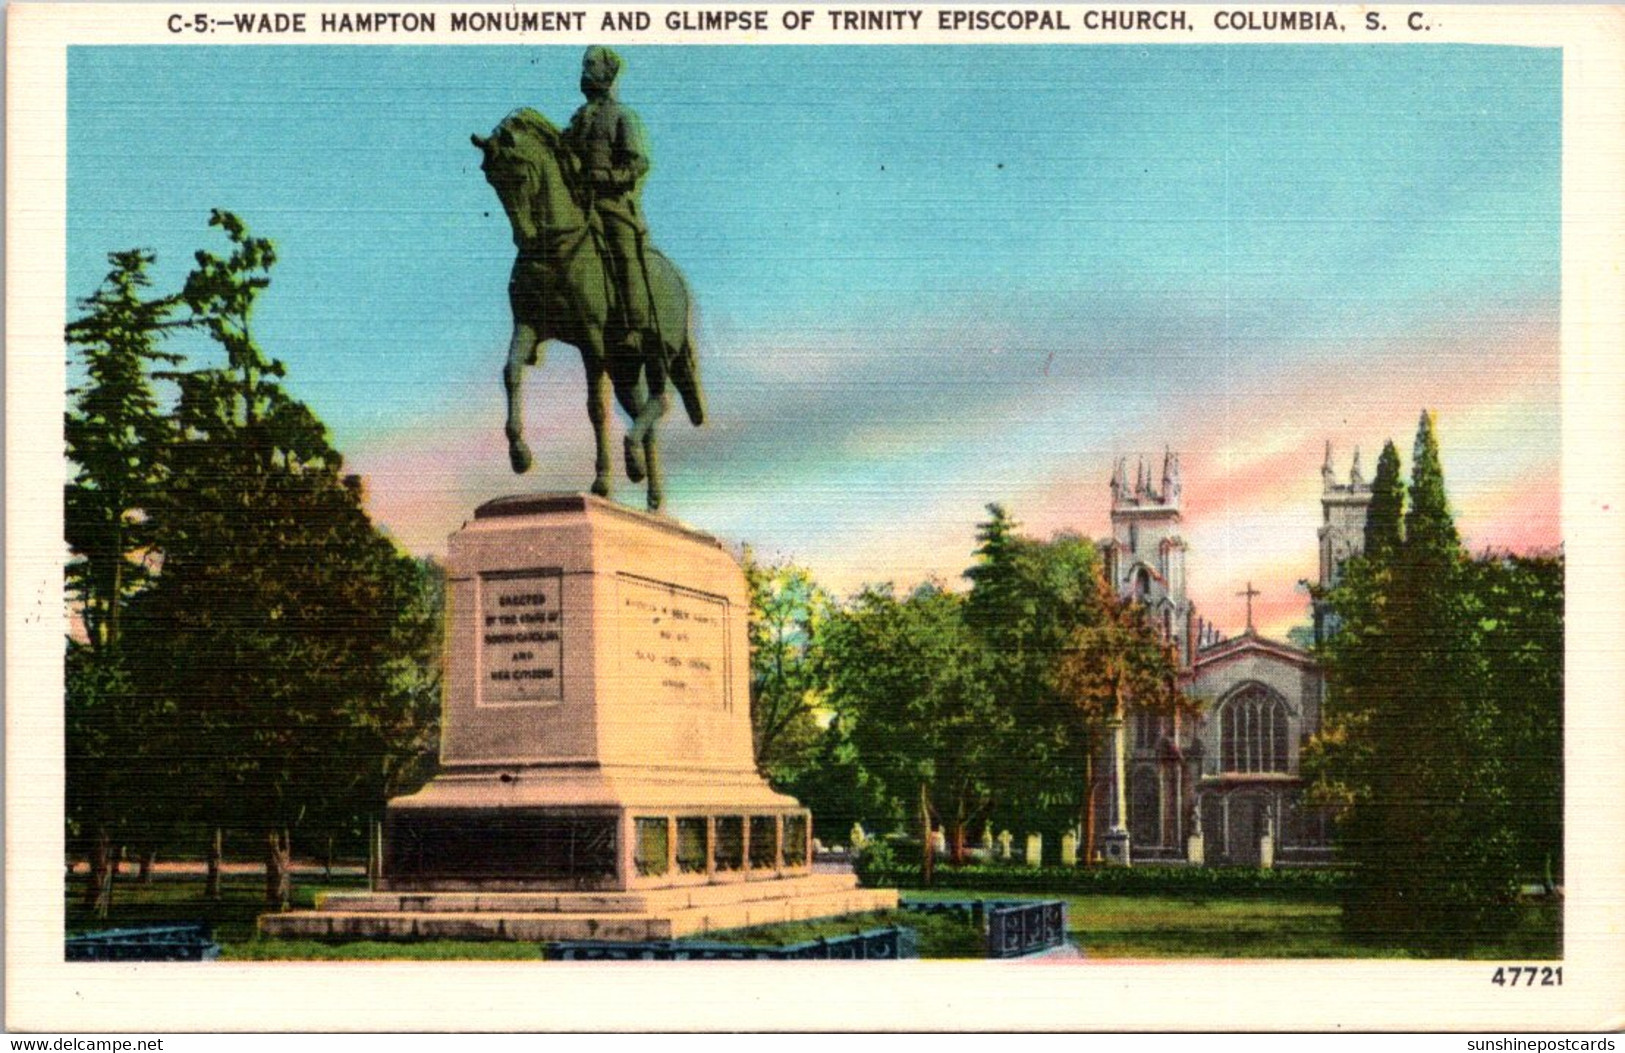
[(1035, 850), (1266, 852), (1115, 844), (595, 742), (1195, 851)]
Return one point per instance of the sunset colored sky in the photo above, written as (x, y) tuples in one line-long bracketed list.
[(927, 278)]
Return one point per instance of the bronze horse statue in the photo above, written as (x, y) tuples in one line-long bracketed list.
[(560, 289)]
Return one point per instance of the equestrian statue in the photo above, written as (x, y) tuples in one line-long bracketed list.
[(586, 275)]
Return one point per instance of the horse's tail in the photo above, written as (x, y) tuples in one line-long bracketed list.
[(677, 337), (685, 376)]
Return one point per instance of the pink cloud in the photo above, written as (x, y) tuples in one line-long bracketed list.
[(1251, 457)]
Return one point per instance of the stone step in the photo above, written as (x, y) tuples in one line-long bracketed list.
[(452, 925), (332, 924), (715, 918), (662, 900)]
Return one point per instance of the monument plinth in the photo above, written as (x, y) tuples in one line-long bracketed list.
[(597, 768)]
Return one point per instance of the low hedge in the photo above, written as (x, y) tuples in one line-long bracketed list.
[(1190, 881)]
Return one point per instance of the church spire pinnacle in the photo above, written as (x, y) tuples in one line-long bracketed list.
[(1356, 477), (1328, 474), (1170, 476)]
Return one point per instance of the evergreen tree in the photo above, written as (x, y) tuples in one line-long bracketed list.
[(997, 604), (1413, 749), (1430, 529), (115, 435), (1027, 599), (1384, 519), (281, 620)]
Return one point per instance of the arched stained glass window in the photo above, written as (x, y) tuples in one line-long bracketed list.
[(1253, 731)]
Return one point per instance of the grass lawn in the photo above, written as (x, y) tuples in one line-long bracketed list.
[(1149, 926), (940, 936), (1105, 926)]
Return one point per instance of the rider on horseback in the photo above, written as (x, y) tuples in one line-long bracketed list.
[(607, 138)]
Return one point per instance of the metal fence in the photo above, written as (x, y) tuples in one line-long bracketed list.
[(876, 944), (1013, 928), (155, 943)]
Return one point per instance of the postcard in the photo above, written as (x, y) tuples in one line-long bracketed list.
[(525, 517)]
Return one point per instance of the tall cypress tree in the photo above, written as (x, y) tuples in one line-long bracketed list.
[(1422, 742), (1430, 530), (1429, 834), (1384, 521)]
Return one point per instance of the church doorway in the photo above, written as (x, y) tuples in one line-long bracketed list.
[(1246, 823)]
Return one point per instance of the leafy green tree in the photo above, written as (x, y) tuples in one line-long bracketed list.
[(1028, 598), (1519, 604), (839, 791), (282, 624), (788, 611), (1444, 867), (910, 685)]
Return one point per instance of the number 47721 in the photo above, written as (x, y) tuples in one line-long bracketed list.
[(1528, 976)]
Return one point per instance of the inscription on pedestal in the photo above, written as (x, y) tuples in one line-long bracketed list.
[(674, 643), (521, 644)]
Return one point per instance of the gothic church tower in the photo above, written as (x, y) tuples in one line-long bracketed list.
[(1145, 557), (1342, 531)]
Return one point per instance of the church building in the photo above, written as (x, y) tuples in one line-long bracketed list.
[(1223, 787)]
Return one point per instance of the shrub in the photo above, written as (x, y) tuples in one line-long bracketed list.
[(877, 857), (1192, 881)]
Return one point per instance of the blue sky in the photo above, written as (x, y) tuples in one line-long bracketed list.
[(928, 278)]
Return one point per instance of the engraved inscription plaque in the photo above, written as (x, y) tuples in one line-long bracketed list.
[(674, 643), (521, 645)]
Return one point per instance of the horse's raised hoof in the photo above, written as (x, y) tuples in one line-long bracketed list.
[(634, 460), (519, 456), (600, 487)]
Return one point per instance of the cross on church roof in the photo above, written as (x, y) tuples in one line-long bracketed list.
[(1249, 592)]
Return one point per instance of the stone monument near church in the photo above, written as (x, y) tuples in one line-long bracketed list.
[(598, 777), (597, 773)]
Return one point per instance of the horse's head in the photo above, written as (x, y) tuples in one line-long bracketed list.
[(525, 161)]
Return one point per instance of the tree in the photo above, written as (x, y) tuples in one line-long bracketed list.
[(1384, 520), (1519, 602), (1421, 738), (282, 622), (115, 435), (1027, 599), (839, 791), (788, 611), (1362, 668), (911, 688), (1116, 664)]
